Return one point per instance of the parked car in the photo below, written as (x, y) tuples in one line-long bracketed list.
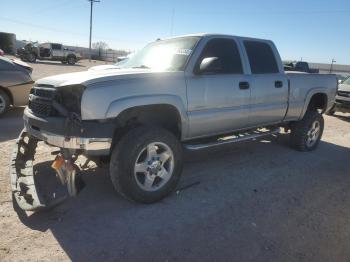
[(342, 99), (15, 83), (2, 53), (300, 66), (48, 51), (196, 92), (342, 77)]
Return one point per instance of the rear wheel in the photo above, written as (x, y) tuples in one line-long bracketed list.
[(146, 164), (71, 60), (4, 102), (306, 133)]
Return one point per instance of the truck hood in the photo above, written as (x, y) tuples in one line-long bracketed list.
[(102, 67), (94, 76)]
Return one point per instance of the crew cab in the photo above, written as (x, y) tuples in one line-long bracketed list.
[(48, 51), (194, 92)]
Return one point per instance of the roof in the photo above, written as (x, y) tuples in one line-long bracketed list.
[(214, 35)]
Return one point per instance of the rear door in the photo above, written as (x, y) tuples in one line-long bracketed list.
[(57, 50), (218, 100), (269, 84)]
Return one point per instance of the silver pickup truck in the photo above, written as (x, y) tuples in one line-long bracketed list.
[(193, 92)]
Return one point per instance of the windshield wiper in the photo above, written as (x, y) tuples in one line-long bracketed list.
[(141, 66)]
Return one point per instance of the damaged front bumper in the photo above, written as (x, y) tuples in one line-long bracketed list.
[(27, 192), (93, 138)]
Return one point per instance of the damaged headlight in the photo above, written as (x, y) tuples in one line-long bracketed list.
[(70, 97)]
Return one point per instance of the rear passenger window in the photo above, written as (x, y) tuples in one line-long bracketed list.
[(56, 46), (227, 53), (261, 57)]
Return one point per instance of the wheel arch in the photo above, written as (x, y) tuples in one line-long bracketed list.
[(316, 99), (71, 55), (171, 103), (7, 92)]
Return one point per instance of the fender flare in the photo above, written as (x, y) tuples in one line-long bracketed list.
[(119, 105), (309, 95)]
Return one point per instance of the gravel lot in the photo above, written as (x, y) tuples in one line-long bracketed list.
[(253, 201)]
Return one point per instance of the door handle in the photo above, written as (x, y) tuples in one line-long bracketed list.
[(243, 85), (278, 84)]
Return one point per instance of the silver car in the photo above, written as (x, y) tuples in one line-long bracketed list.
[(15, 83)]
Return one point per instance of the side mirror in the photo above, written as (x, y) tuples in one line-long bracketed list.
[(209, 64), (340, 81)]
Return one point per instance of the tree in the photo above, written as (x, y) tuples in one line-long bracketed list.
[(100, 46)]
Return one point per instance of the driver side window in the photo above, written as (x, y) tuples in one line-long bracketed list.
[(220, 56)]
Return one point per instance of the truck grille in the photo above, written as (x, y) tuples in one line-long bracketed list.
[(344, 93), (40, 100)]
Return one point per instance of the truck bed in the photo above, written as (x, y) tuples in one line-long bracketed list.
[(301, 88)]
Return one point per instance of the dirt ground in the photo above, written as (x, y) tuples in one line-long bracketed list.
[(253, 201)]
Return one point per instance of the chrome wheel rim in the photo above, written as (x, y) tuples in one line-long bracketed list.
[(154, 166), (31, 57), (2, 104), (313, 134)]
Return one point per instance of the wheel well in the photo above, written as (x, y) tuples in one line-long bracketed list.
[(318, 101), (7, 92), (166, 116), (71, 55)]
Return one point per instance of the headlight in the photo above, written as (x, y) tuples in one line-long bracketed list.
[(70, 97)]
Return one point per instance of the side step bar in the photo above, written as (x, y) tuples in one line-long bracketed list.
[(232, 139)]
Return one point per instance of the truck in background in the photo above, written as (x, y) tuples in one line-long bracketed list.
[(300, 66), (48, 51)]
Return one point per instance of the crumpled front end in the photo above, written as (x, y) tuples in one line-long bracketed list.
[(53, 118)]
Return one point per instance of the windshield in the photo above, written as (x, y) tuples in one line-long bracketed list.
[(346, 81), (163, 55)]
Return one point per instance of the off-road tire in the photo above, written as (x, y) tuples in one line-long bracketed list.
[(5, 101), (31, 57), (71, 60), (123, 160), (300, 129)]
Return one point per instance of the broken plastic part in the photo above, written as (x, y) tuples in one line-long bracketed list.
[(29, 191)]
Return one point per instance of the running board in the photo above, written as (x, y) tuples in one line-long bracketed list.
[(252, 135)]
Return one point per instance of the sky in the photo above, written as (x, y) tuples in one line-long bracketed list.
[(314, 30)]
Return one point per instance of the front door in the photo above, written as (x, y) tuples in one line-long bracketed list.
[(218, 96)]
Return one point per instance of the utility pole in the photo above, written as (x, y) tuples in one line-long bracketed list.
[(172, 21), (331, 69), (91, 5)]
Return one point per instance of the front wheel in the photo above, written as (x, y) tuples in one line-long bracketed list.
[(4, 102), (306, 133), (146, 164), (31, 57)]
